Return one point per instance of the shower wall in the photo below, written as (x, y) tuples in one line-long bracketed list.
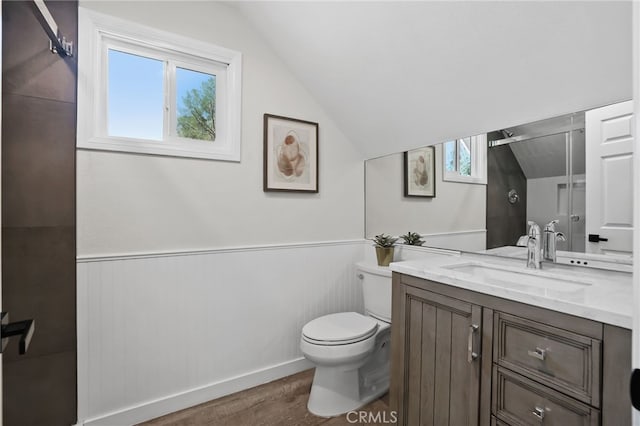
[(551, 202), (38, 214), (505, 221)]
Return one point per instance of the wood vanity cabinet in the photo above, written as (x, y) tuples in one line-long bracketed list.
[(464, 358)]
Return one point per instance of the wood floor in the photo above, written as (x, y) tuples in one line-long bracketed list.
[(282, 402)]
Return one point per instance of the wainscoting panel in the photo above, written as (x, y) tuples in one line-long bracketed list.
[(157, 333)]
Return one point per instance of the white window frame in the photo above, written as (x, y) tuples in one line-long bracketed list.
[(99, 33), (478, 162)]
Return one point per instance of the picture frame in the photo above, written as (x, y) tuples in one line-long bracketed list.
[(420, 172), (290, 154)]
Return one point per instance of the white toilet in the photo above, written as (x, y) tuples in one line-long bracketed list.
[(351, 350)]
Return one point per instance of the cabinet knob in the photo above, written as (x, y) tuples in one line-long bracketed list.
[(539, 353), (538, 413)]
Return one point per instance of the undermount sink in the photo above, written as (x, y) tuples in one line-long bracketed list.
[(511, 277)]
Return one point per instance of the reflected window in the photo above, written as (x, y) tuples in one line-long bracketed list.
[(465, 160), (450, 156), (464, 156)]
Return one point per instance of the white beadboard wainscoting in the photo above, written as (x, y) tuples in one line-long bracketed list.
[(158, 333)]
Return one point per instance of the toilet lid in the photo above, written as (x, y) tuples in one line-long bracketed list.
[(340, 327)]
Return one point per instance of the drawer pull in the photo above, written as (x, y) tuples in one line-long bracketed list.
[(538, 353), (472, 355), (538, 412)]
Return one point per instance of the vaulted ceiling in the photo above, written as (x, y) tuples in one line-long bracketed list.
[(398, 75)]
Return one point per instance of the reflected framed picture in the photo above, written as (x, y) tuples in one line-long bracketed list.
[(420, 172), (290, 154)]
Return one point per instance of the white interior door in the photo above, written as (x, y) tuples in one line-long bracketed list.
[(635, 360), (1, 364), (609, 174)]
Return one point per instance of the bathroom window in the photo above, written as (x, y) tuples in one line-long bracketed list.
[(152, 92), (465, 160)]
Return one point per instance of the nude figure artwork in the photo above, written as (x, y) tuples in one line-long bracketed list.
[(420, 176), (291, 162)]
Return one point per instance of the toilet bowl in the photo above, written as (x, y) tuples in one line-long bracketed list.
[(351, 350)]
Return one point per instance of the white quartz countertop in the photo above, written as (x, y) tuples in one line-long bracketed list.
[(596, 294)]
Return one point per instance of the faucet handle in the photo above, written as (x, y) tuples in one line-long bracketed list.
[(534, 229), (560, 236), (551, 226)]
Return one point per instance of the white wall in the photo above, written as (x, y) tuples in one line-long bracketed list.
[(457, 207), (157, 333), (135, 203)]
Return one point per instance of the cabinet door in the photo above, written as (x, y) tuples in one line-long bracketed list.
[(440, 366)]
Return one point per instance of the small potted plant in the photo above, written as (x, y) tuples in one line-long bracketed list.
[(384, 248), (412, 239)]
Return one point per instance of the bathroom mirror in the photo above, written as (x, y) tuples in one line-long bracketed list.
[(534, 172)]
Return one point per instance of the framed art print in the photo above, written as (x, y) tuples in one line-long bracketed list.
[(420, 172), (290, 154)]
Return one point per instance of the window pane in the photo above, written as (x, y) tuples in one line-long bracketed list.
[(450, 156), (465, 156), (196, 104), (136, 94)]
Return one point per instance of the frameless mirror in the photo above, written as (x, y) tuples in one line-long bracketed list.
[(487, 188)]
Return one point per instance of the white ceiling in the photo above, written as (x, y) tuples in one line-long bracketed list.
[(398, 75)]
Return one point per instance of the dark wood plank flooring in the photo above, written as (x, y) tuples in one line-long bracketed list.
[(282, 402)]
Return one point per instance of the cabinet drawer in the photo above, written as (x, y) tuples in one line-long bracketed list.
[(496, 422), (565, 361), (520, 401)]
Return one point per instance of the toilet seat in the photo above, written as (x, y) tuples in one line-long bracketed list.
[(339, 329)]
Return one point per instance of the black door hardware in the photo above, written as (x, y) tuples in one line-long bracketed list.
[(596, 238), (635, 389), (24, 329)]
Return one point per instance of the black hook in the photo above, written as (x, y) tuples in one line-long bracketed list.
[(24, 329)]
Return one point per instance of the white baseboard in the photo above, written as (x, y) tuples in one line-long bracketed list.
[(160, 407)]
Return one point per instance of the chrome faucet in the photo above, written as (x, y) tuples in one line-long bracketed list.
[(549, 239), (534, 250)]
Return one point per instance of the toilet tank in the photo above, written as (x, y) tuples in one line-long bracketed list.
[(376, 289)]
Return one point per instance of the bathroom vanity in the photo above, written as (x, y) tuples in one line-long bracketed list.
[(487, 342)]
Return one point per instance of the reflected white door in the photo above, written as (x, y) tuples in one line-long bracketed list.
[(609, 172), (1, 364)]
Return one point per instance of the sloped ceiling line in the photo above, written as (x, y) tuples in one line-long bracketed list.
[(399, 75)]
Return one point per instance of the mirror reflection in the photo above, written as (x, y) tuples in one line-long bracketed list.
[(539, 179), (572, 173)]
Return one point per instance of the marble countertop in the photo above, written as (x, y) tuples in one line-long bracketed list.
[(596, 294)]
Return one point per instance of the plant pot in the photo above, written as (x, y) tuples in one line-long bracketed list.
[(384, 255)]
